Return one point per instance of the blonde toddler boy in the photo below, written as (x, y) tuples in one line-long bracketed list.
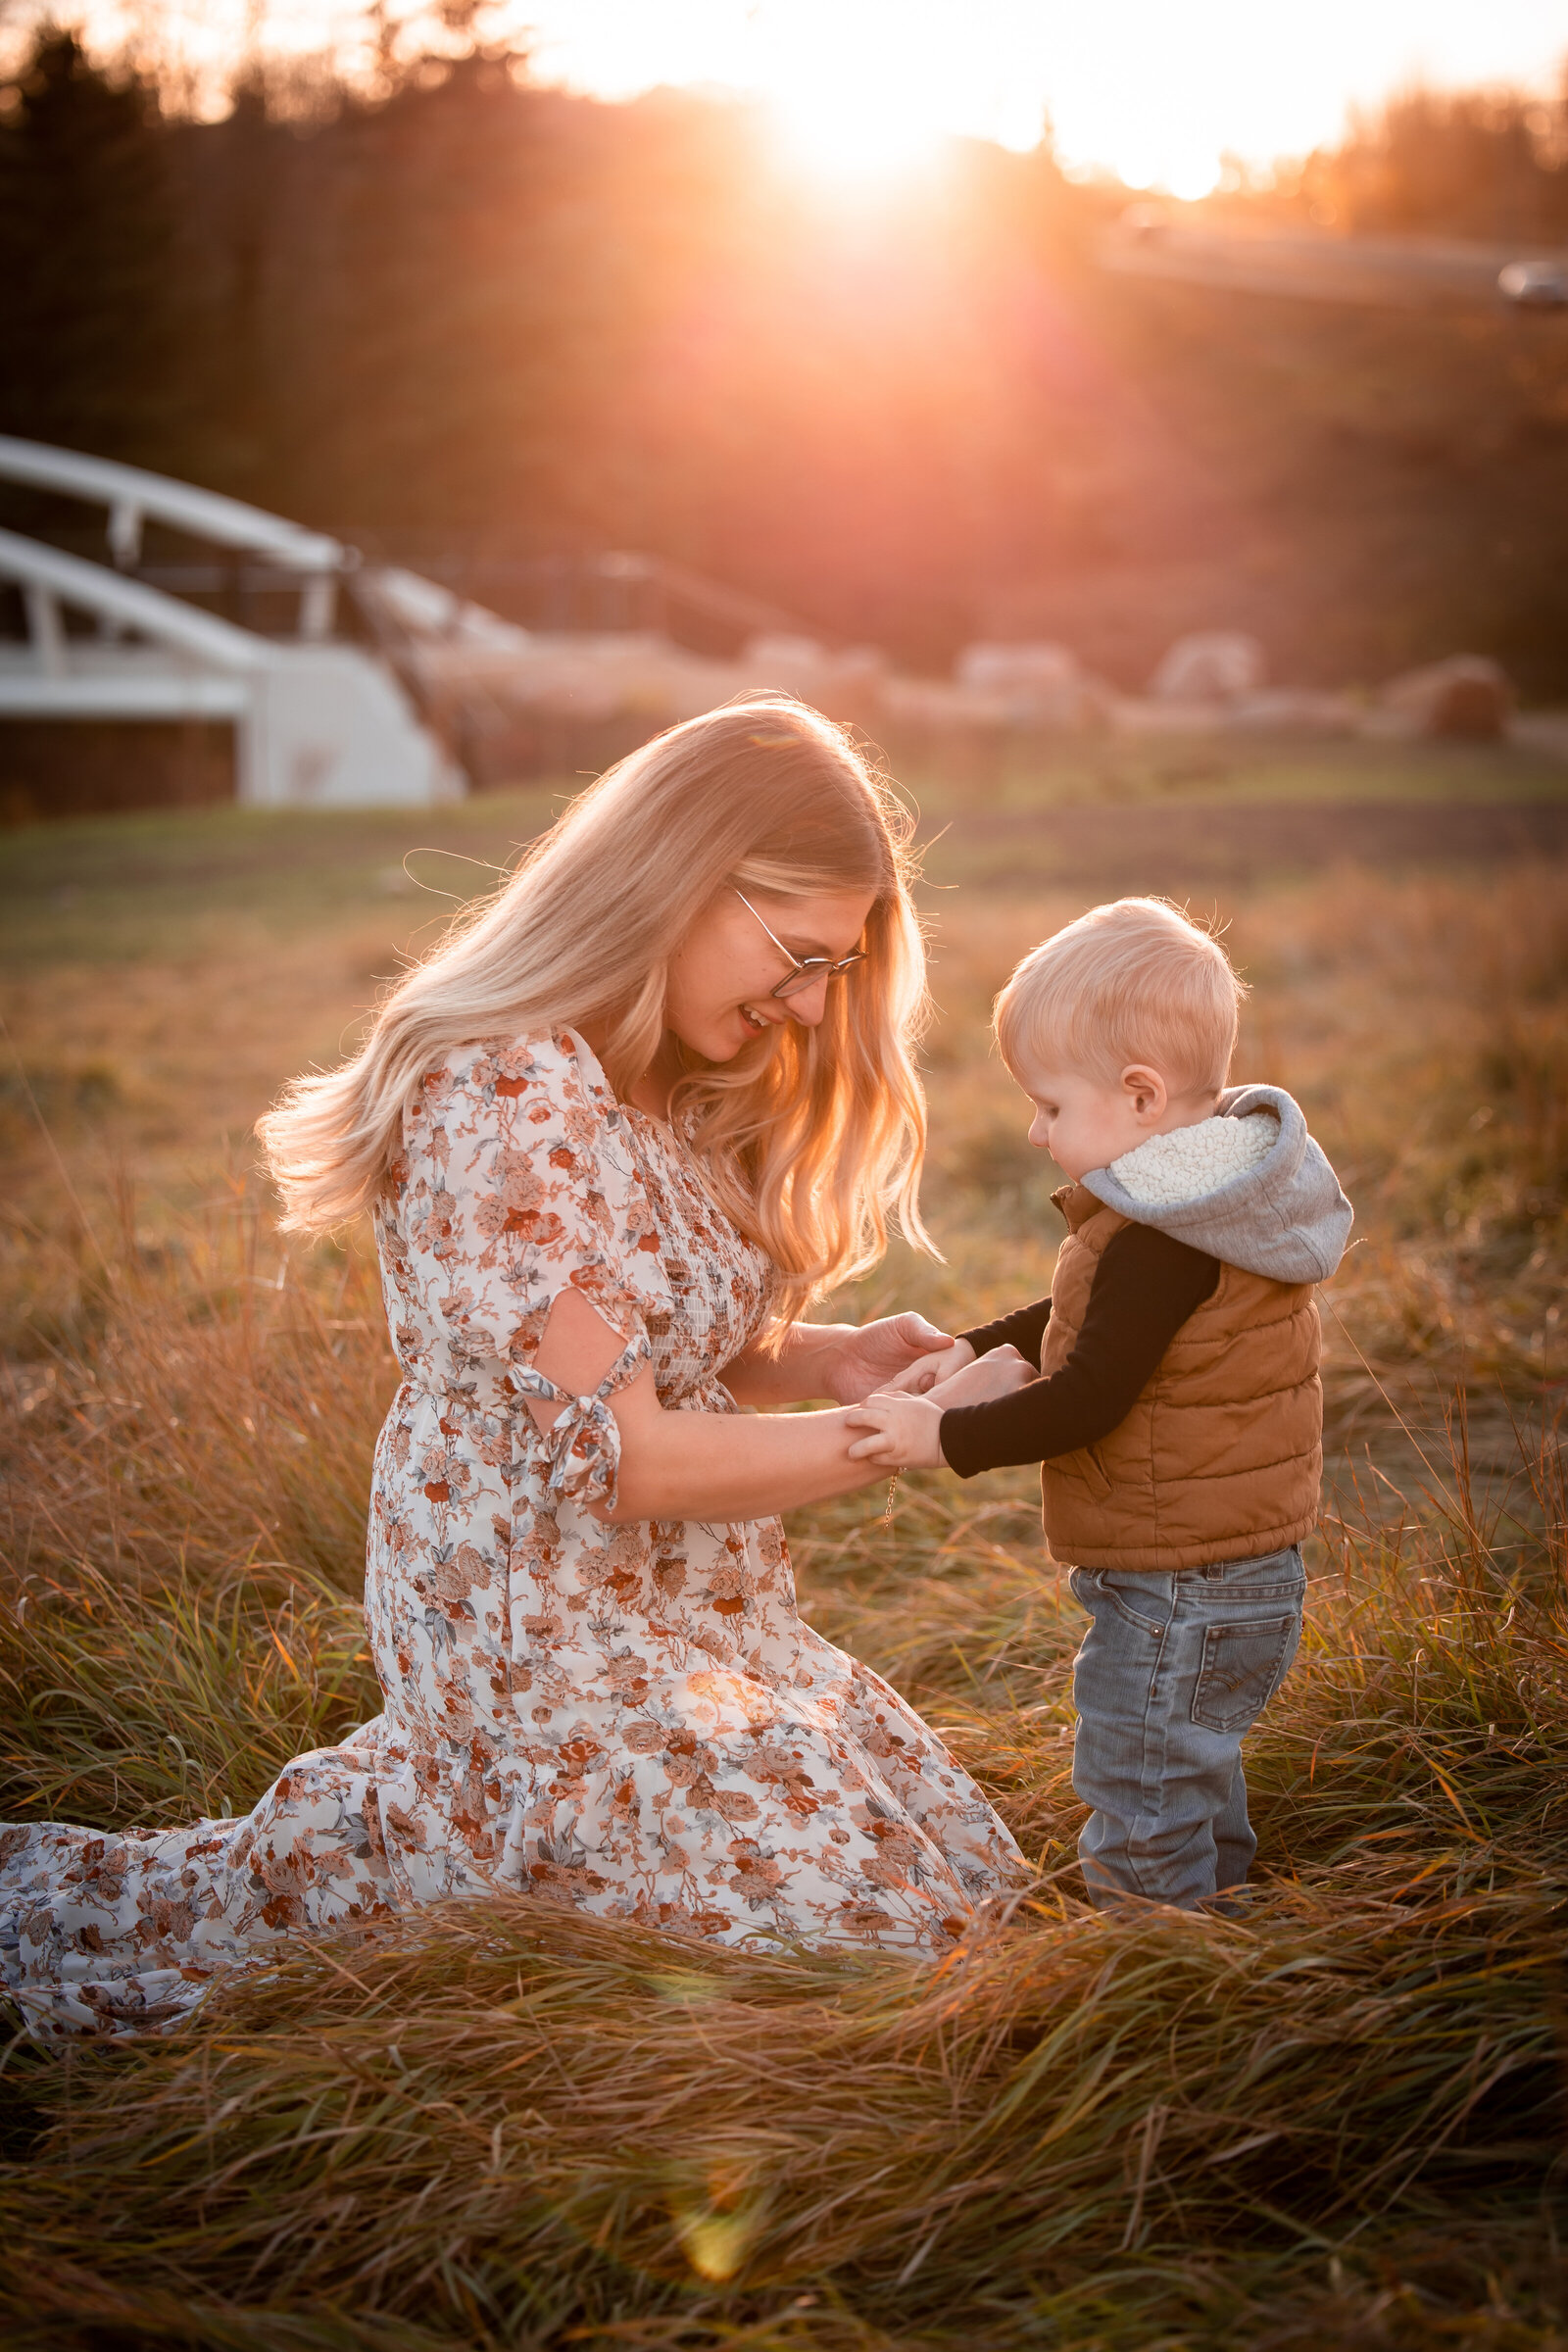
[(1177, 1414)]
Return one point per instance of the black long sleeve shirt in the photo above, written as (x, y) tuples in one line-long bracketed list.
[(1144, 1287)]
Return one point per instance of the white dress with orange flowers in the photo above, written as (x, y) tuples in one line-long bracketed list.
[(632, 1719)]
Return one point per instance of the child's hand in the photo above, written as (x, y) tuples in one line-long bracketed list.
[(1001, 1372), (929, 1371), (904, 1432), (963, 1377)]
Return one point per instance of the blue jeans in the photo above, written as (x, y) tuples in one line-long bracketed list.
[(1172, 1671)]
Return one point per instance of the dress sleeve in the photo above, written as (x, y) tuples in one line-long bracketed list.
[(516, 1185)]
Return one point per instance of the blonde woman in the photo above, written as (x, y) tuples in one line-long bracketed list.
[(614, 1135)]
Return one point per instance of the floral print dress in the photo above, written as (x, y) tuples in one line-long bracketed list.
[(631, 1719)]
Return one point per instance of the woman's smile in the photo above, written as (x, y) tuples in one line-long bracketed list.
[(733, 941)]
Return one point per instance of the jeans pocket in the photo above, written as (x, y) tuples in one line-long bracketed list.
[(1130, 1594), (1243, 1665)]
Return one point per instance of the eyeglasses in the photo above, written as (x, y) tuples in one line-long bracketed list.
[(808, 969)]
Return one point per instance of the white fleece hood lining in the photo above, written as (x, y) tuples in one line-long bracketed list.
[(1190, 1162), (1280, 1213)]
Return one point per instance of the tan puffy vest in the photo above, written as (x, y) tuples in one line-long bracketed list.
[(1222, 1455)]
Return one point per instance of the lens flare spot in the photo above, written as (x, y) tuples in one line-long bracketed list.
[(715, 2244)]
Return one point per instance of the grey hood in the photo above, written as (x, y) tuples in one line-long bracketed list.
[(1285, 1217)]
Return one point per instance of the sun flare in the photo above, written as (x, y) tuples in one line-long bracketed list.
[(833, 137), (856, 127), (858, 93)]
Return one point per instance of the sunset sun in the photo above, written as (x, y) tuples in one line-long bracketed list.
[(855, 102), (842, 135)]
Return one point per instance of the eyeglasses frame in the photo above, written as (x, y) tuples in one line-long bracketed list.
[(804, 969)]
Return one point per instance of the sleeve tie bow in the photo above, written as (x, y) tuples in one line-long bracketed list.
[(583, 1444)]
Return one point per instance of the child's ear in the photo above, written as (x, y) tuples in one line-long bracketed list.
[(1145, 1090)]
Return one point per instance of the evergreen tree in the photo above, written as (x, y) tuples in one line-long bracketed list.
[(90, 321)]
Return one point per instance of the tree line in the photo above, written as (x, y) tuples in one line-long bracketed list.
[(1485, 164), (470, 310)]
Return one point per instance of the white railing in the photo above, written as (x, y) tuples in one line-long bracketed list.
[(314, 721), (310, 559)]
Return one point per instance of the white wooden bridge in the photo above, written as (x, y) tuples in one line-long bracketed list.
[(384, 686), (374, 684), (316, 718)]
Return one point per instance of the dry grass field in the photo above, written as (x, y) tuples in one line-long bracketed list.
[(1336, 2122)]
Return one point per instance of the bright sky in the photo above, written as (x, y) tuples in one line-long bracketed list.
[(1157, 90)]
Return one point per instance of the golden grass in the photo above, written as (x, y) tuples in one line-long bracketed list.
[(1335, 2119), (566, 2118)]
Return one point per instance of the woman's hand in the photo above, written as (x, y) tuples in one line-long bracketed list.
[(876, 1356), (842, 1360)]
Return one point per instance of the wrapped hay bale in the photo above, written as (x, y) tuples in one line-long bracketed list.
[(1468, 696), (1031, 684), (1214, 666)]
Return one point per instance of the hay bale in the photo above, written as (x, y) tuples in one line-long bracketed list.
[(1468, 696), (1216, 666), (1031, 684), (848, 686), (782, 665)]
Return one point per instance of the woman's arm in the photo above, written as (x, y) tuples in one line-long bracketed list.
[(842, 1360), (692, 1465)]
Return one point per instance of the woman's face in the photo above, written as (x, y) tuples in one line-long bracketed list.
[(722, 975)]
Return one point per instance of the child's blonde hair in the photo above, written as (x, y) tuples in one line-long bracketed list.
[(1135, 981)]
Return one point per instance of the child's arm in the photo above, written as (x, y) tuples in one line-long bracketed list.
[(1024, 1329), (1019, 1332), (911, 1437), (1144, 1287)]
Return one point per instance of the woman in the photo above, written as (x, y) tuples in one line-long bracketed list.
[(615, 1134)]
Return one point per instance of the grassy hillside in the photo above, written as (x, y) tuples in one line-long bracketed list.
[(1334, 2122)]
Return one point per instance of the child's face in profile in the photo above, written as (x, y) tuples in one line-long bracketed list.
[(1085, 1120)]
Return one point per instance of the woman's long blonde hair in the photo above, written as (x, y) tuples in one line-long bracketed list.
[(810, 1137)]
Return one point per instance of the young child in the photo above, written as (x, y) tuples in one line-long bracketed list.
[(1178, 1417)]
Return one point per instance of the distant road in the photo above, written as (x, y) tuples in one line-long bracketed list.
[(1236, 842), (1380, 272)]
